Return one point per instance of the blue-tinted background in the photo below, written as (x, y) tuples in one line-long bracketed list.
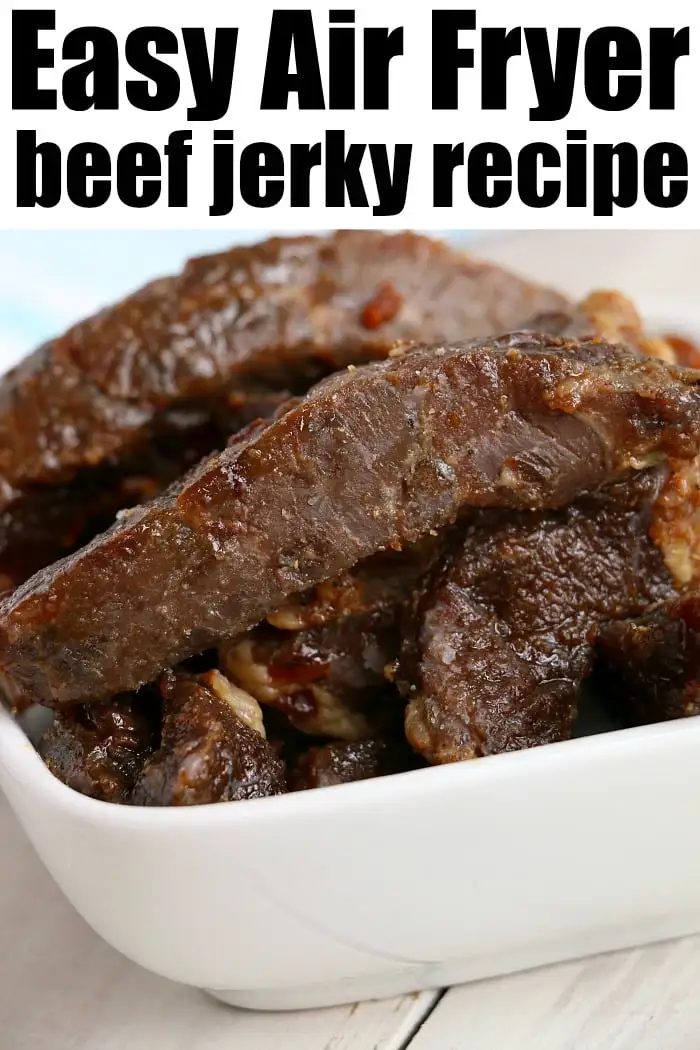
[(50, 279)]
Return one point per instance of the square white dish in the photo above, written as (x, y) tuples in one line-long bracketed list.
[(367, 890), (415, 881)]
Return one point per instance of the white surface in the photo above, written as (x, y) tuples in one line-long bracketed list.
[(61, 988)]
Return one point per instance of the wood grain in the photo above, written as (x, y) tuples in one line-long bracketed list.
[(639, 1000)]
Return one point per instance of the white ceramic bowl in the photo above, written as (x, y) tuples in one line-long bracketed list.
[(427, 878), (367, 890)]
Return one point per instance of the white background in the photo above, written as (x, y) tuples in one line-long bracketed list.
[(410, 118)]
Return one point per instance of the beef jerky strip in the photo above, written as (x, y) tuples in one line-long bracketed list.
[(608, 315), (372, 458), (676, 529), (212, 749), (650, 668), (319, 677), (324, 667), (100, 749), (344, 763), (382, 581), (284, 312), (47, 522), (503, 635), (189, 359)]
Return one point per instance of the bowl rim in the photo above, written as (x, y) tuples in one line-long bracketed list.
[(22, 764)]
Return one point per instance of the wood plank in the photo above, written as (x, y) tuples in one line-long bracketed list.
[(63, 988), (644, 999)]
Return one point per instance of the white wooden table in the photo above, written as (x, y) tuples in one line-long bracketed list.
[(61, 988)]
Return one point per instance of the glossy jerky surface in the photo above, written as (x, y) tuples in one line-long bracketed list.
[(282, 314), (501, 639), (342, 762), (650, 667), (327, 680), (372, 458), (180, 365), (100, 749), (207, 753)]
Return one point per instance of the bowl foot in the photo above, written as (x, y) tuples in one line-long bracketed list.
[(335, 993), (427, 976)]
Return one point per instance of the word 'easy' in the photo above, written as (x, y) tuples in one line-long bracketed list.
[(612, 66)]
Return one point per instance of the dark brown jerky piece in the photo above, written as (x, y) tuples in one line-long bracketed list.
[(47, 522), (326, 668), (650, 668), (503, 638), (382, 581), (284, 313), (611, 316), (328, 680), (342, 763), (207, 753), (374, 458), (99, 749), (199, 355)]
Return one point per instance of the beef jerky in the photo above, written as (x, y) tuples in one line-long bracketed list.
[(382, 581), (342, 762), (373, 458), (282, 313), (201, 354), (649, 668), (47, 522), (609, 315), (503, 636), (612, 317), (99, 749), (211, 749)]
